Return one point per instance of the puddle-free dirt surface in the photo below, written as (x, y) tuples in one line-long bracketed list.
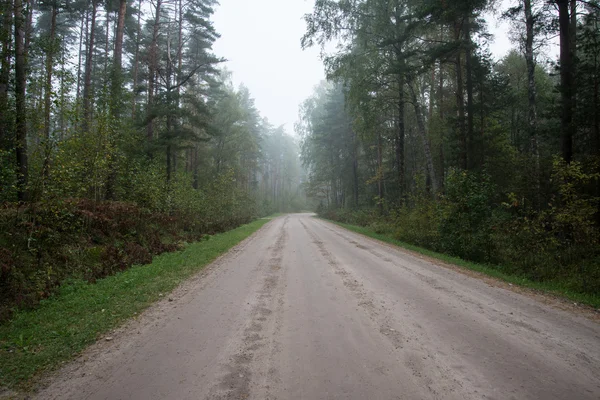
[(307, 310)]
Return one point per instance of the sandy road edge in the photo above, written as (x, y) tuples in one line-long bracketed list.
[(124, 334), (551, 299)]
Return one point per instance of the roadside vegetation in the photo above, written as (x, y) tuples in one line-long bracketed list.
[(79, 313), (384, 232), (122, 138), (421, 135)]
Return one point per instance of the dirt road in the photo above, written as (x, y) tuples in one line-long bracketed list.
[(307, 310)]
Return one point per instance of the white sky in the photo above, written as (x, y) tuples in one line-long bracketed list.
[(261, 40)]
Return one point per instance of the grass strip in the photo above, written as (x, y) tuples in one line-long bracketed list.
[(553, 287), (39, 340)]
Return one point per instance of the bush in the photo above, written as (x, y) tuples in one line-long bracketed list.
[(419, 223), (466, 217), (561, 242)]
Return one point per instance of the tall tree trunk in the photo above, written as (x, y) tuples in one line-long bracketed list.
[(170, 116), (115, 93), (573, 29), (63, 91), (20, 102), (196, 179), (107, 40), (401, 76), (529, 58), (179, 70), (573, 48), (471, 159), (117, 76), (153, 66), (400, 136), (179, 49), (431, 96), (566, 80), (136, 61), (333, 176), (442, 131), (531, 96), (596, 124), (379, 173), (5, 55), (84, 17), (30, 8), (48, 90), (424, 139), (596, 134), (462, 132), (355, 168), (87, 81)]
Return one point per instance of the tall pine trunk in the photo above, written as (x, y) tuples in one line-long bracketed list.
[(107, 40), (424, 139), (136, 61), (379, 172), (573, 48), (355, 167), (442, 131), (115, 93), (64, 90), (5, 56), (170, 116), (179, 49), (20, 101), (117, 76), (195, 172), (566, 80), (531, 96), (471, 142), (152, 67), (84, 18), (87, 81), (460, 105), (401, 76), (400, 136), (48, 90)]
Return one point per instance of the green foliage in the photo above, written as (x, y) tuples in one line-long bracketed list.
[(465, 216), (561, 242), (418, 224)]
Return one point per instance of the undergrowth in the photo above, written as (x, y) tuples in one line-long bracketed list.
[(44, 244)]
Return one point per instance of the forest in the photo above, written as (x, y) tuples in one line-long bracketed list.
[(421, 134), (122, 136)]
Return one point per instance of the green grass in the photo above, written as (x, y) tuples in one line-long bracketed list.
[(39, 340), (560, 289)]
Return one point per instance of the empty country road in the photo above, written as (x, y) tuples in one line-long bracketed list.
[(304, 309)]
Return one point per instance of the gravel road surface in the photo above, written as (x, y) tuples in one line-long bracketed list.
[(304, 309)]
